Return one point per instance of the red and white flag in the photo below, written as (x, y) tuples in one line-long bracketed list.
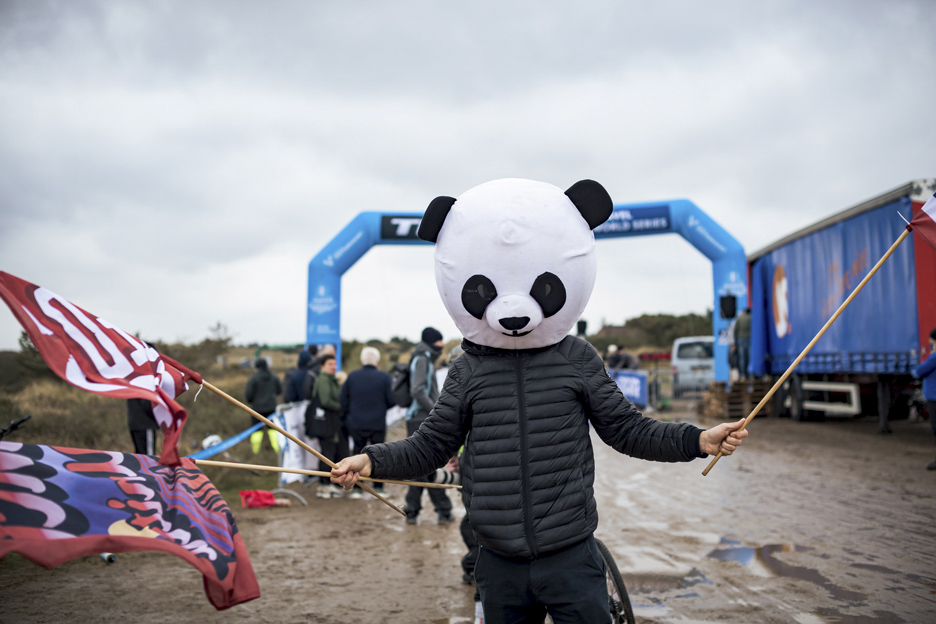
[(924, 223), (90, 353)]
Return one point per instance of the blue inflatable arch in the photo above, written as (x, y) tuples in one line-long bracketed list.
[(680, 216)]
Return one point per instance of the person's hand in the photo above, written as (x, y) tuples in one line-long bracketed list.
[(724, 438), (350, 469)]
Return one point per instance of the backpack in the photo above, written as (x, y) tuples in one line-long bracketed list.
[(314, 417), (400, 381), (400, 386), (308, 383)]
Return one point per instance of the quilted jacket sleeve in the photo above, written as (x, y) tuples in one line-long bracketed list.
[(435, 442), (623, 427)]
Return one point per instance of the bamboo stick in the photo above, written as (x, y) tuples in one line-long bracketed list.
[(809, 347), (318, 473), (290, 436)]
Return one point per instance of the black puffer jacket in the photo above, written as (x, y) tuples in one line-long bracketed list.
[(528, 469)]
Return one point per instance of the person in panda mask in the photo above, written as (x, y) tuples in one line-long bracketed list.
[(515, 265)]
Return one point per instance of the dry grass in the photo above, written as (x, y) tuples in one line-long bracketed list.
[(63, 415)]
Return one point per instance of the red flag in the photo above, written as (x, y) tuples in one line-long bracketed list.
[(57, 504), (90, 353), (924, 223)]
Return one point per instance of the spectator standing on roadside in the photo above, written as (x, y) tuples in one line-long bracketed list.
[(293, 390), (330, 428), (365, 399), (617, 359), (927, 372), (324, 352), (612, 357), (261, 392), (302, 380), (424, 389), (742, 340), (143, 426)]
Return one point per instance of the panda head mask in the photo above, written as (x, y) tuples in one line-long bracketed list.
[(515, 259)]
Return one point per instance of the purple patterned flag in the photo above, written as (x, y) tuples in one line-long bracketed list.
[(60, 503)]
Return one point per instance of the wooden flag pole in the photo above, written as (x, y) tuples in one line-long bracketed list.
[(809, 347), (318, 473), (273, 425)]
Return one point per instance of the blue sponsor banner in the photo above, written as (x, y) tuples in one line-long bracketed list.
[(323, 314), (636, 221), (804, 283), (633, 385), (399, 228)]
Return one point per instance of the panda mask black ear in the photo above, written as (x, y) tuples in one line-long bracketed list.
[(432, 220), (592, 200)]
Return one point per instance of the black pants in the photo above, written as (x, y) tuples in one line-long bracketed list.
[(335, 451), (144, 441), (569, 585), (363, 437), (471, 543), (440, 500)]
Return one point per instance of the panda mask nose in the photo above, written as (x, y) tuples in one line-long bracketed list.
[(514, 315), (514, 323)]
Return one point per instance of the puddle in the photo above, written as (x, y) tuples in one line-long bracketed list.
[(874, 568), (763, 562), (928, 583), (695, 577), (879, 617), (655, 611)]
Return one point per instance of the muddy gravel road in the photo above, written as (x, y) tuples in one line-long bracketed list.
[(808, 523)]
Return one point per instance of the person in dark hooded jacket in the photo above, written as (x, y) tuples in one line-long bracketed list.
[(261, 392), (295, 388), (425, 392)]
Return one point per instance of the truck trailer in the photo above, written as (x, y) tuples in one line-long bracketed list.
[(861, 366)]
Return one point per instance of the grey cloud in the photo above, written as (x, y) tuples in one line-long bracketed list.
[(202, 139)]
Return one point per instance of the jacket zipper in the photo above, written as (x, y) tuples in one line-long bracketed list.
[(525, 493)]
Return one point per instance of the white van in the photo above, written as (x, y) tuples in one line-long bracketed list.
[(693, 362)]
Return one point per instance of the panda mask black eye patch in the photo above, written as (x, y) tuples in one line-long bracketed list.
[(477, 293), (549, 292)]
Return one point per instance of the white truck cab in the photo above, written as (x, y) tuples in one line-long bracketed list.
[(693, 363)]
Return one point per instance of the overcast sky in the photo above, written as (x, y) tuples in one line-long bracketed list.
[(168, 165)]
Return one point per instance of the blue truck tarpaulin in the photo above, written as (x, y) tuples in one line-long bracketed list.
[(797, 287)]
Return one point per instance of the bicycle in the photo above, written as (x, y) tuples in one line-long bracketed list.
[(618, 600)]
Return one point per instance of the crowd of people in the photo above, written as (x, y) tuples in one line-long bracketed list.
[(345, 413)]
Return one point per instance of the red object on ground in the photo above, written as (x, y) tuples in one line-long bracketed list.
[(251, 499)]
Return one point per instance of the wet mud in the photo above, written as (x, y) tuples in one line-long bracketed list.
[(808, 523)]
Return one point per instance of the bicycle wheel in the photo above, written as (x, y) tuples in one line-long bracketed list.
[(618, 600)]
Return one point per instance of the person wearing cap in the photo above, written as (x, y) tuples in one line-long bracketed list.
[(927, 372), (424, 389), (261, 392)]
